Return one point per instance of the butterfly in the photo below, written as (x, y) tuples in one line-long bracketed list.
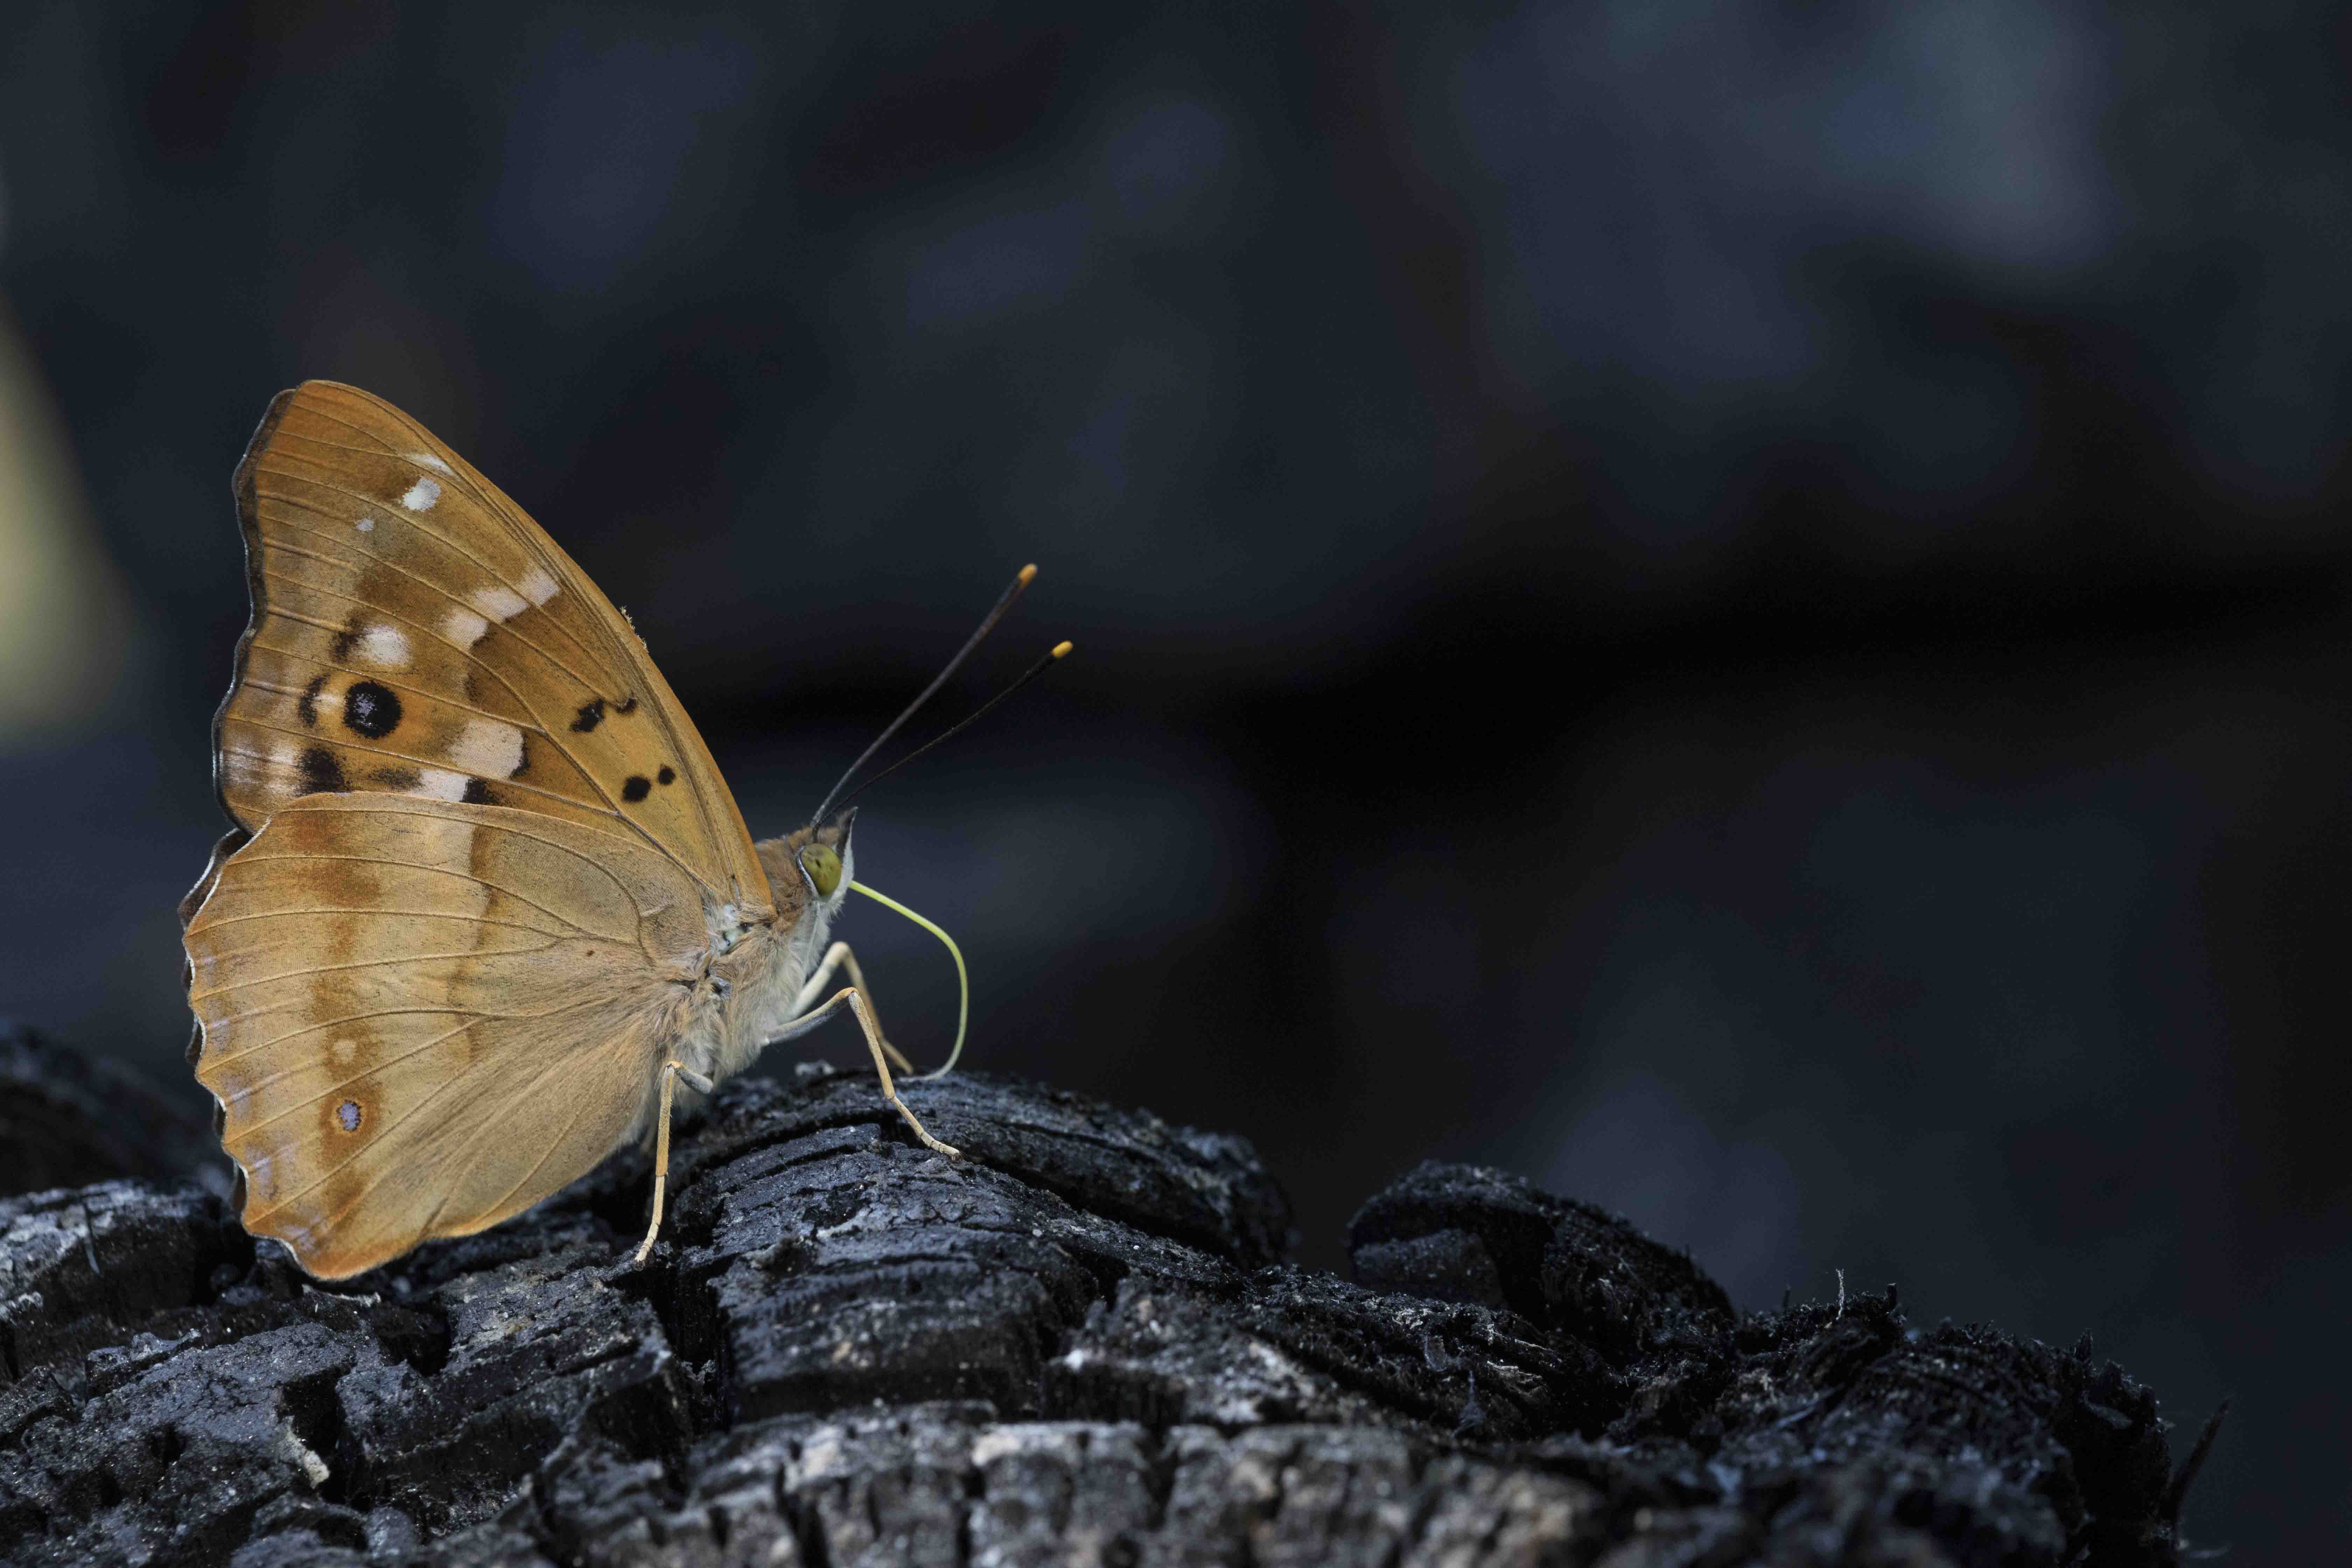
[(488, 900)]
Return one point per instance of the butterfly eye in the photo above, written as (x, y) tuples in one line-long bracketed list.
[(823, 869)]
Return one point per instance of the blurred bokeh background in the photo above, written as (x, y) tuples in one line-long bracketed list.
[(1737, 609)]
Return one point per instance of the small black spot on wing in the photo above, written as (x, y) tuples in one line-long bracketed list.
[(309, 707), (591, 714), (478, 793), (637, 787), (522, 757), (371, 708), (625, 705), (322, 772), (668, 775), (348, 638), (399, 780)]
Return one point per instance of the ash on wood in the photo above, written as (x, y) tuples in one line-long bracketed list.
[(1079, 1344)]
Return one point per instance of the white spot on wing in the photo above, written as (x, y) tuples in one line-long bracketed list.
[(240, 766), (489, 748), (538, 586), (464, 627), (498, 602), (440, 784), (422, 495), (365, 525), (386, 648)]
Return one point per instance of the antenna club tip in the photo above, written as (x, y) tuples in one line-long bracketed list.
[(1028, 573), (1062, 650)]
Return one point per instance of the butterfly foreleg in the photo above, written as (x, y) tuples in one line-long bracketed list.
[(671, 1071), (838, 956)]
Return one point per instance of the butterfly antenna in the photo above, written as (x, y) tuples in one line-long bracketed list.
[(1059, 650), (1020, 580)]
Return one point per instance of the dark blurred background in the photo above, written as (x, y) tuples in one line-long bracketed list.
[(1739, 609)]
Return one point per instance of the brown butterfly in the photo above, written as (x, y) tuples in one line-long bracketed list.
[(487, 899)]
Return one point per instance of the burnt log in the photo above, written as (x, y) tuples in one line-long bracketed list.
[(1080, 1343)]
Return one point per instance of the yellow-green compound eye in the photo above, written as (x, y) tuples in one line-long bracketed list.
[(824, 869)]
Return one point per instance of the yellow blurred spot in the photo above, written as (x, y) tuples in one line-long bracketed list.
[(63, 618)]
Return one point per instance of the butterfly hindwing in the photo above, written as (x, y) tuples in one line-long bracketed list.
[(414, 633), (420, 1016)]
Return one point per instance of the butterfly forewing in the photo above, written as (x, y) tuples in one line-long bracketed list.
[(414, 633)]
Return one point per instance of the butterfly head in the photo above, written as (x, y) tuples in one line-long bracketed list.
[(822, 866), (824, 860), (810, 867)]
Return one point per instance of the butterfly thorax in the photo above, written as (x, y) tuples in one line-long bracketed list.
[(757, 968)]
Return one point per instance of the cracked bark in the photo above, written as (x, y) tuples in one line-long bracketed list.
[(1079, 1344)]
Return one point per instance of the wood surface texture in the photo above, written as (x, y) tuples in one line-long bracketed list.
[(1079, 1344)]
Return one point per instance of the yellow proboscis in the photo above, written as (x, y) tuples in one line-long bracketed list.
[(963, 979)]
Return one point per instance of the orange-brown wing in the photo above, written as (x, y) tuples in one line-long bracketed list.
[(414, 633), (423, 1017)]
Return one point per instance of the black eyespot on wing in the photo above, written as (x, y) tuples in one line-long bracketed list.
[(478, 793), (309, 707), (322, 772), (637, 787), (371, 708), (591, 714), (668, 775)]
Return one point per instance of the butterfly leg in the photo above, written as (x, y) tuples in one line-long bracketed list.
[(865, 1021), (838, 956), (671, 1072), (865, 1013)]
